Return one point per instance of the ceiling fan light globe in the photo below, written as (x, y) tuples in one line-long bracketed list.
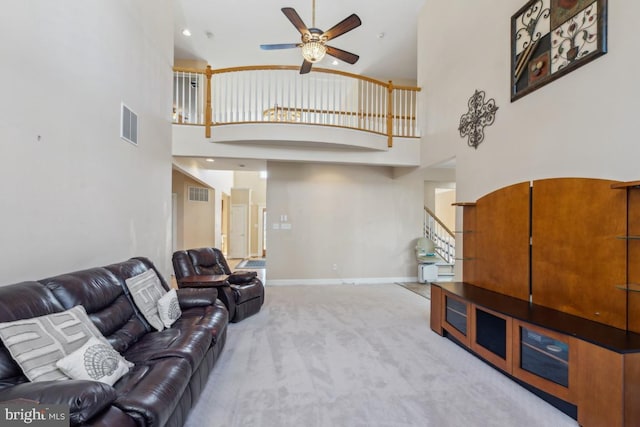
[(313, 51)]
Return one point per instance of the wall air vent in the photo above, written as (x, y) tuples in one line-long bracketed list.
[(198, 194), (129, 125)]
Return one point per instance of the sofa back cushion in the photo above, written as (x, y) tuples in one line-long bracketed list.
[(131, 268), (22, 301), (182, 265), (207, 261), (221, 260), (103, 297)]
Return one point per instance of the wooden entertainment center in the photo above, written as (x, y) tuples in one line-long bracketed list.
[(551, 295)]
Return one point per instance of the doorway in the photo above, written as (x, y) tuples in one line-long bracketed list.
[(174, 222), (224, 223), (264, 232), (238, 232)]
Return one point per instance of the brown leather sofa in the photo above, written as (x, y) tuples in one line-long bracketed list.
[(170, 368), (243, 295)]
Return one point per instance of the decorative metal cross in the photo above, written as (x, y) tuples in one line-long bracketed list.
[(480, 114)]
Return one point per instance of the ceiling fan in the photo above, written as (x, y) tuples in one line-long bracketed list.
[(314, 40)]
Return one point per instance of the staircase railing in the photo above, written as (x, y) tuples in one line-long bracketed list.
[(442, 237), (258, 94)]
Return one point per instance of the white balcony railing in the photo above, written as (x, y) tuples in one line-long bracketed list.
[(261, 94), (440, 235), (189, 97)]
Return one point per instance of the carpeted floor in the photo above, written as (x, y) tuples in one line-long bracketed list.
[(361, 356)]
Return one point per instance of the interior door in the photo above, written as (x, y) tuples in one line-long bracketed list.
[(174, 222), (225, 217), (238, 232)]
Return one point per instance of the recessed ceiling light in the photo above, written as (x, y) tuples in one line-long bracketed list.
[(334, 62), (210, 160), (381, 35), (186, 32)]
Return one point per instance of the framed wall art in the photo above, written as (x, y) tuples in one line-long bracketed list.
[(550, 38)]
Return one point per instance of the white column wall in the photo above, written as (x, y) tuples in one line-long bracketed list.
[(342, 224), (74, 195), (582, 124)]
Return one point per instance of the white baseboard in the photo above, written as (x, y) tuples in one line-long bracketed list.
[(348, 281)]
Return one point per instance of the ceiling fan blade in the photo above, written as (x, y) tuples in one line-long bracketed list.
[(343, 55), (295, 19), (279, 46), (347, 24), (306, 67)]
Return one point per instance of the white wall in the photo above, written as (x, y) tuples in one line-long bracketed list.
[(252, 180), (221, 181), (430, 189), (258, 186), (196, 219), (284, 142), (445, 210), (363, 219), (74, 195), (582, 124)]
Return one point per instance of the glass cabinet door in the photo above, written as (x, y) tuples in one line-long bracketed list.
[(544, 356), (455, 318), (456, 314), (545, 359), (491, 337)]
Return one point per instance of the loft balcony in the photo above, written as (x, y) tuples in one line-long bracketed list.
[(274, 113)]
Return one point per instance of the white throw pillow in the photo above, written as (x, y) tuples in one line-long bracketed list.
[(97, 361), (169, 308), (146, 290), (36, 344)]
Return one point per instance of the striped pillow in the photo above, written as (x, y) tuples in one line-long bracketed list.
[(146, 290), (36, 344)]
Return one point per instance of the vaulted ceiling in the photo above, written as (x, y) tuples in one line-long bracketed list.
[(228, 33)]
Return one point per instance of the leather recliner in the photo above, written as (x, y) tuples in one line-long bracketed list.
[(243, 295)]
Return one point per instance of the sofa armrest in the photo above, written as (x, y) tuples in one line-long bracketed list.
[(240, 277), (196, 297), (84, 398)]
